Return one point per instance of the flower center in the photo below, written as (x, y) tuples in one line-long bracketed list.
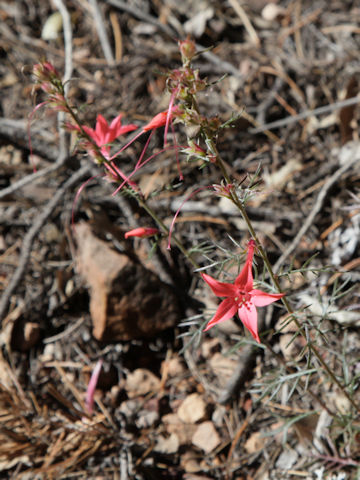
[(242, 299)]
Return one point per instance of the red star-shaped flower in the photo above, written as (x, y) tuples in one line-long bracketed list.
[(104, 134), (241, 297)]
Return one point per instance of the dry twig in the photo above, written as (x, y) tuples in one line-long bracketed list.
[(223, 65), (67, 41), (308, 113), (317, 206), (68, 56), (32, 177), (103, 37), (246, 22)]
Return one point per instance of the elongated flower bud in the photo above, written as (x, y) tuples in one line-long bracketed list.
[(141, 232)]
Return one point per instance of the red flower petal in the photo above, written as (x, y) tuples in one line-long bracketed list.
[(101, 129), (225, 311), (92, 134), (248, 315), (115, 125), (261, 299), (221, 289), (125, 129), (244, 280), (160, 119)]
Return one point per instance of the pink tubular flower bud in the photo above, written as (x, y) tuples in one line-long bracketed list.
[(187, 49), (160, 119), (141, 232), (45, 71), (47, 87), (49, 67), (224, 190), (90, 392)]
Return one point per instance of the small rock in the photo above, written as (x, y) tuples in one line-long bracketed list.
[(254, 443), (342, 403), (48, 354), (288, 346), (189, 462), (141, 382), (127, 300), (167, 445), (129, 408), (209, 347), (223, 367), (219, 414), (51, 233), (184, 431), (190, 476), (287, 459), (174, 367), (197, 23), (206, 437), (272, 12), (146, 418), (192, 409)]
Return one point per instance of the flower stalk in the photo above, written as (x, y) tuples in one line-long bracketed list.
[(187, 85), (239, 204), (240, 297)]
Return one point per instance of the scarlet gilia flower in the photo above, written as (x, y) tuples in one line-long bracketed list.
[(241, 297), (141, 232), (104, 134)]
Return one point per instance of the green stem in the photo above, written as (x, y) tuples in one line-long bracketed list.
[(165, 229), (312, 394), (140, 200), (236, 200)]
